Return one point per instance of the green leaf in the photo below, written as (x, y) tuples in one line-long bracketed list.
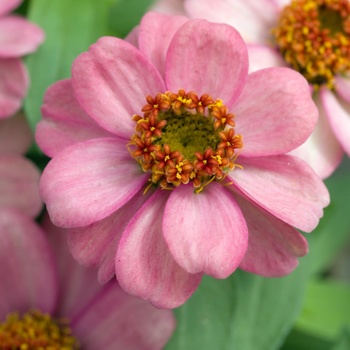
[(343, 343), (245, 312), (70, 28), (305, 341)]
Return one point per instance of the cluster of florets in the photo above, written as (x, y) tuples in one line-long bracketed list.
[(314, 37), (172, 167)]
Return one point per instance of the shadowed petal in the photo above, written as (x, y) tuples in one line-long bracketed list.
[(144, 265), (202, 56), (27, 269), (111, 82), (342, 87), (275, 112), (88, 181), (205, 232), (8, 5), (285, 186)]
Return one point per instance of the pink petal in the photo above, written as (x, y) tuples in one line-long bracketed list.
[(64, 122), (253, 19), (96, 245), (156, 32), (273, 246), (13, 86), (275, 112), (19, 180), (263, 56), (172, 7), (133, 36), (342, 87), (144, 266), (90, 180), (281, 3), (338, 113), (205, 232), (321, 150), (18, 37), (111, 82), (116, 320), (27, 268), (7, 5), (15, 135), (285, 186), (207, 58)]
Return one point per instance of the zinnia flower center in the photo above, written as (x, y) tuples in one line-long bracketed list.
[(314, 37), (184, 138), (35, 330)]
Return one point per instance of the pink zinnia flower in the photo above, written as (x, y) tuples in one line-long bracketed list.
[(148, 168), (45, 292), (313, 37), (18, 37)]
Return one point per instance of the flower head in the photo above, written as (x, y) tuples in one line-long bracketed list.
[(178, 168), (18, 37), (312, 37)]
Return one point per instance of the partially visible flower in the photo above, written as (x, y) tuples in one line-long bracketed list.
[(18, 37), (169, 160), (311, 36), (48, 301)]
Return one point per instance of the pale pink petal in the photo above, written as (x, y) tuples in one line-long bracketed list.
[(64, 122), (342, 87), (205, 232), (18, 37), (27, 268), (253, 19), (111, 82), (15, 135), (96, 244), (207, 58), (321, 150), (116, 320), (285, 186), (144, 265), (13, 86), (172, 7), (263, 56), (281, 3), (275, 112), (133, 36), (274, 246), (8, 5), (156, 32), (88, 181), (338, 113), (19, 180)]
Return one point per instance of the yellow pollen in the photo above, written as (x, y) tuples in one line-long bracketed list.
[(152, 128)]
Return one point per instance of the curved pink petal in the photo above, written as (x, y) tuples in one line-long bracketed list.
[(321, 150), (275, 112), (15, 135), (18, 37), (96, 244), (285, 186), (172, 7), (342, 87), (7, 5), (88, 181), (27, 268), (19, 180), (133, 36), (263, 56), (253, 19), (156, 32), (111, 82), (144, 265), (207, 58), (274, 246), (205, 232), (281, 3), (64, 122), (13, 86), (116, 320), (338, 113)]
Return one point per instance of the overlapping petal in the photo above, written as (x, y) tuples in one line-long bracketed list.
[(111, 82), (144, 264), (214, 62), (205, 232), (88, 181), (285, 186), (269, 115), (342, 86)]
